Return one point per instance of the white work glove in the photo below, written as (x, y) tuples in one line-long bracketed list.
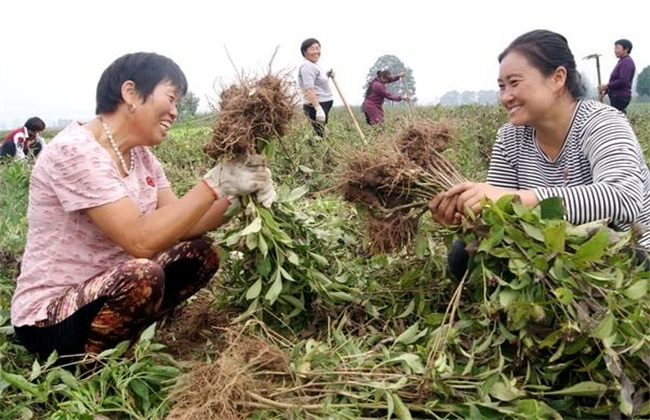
[(237, 179), (320, 114), (266, 196)]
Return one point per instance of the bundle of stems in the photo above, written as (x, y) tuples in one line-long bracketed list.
[(387, 181), (393, 186)]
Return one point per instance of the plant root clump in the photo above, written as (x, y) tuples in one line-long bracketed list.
[(380, 180), (391, 234), (394, 180), (422, 141), (251, 113), (225, 389)]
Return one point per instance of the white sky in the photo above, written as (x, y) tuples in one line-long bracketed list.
[(53, 51)]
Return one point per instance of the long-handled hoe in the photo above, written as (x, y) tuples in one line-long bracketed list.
[(597, 57), (347, 107)]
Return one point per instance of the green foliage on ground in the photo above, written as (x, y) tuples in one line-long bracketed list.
[(383, 335)]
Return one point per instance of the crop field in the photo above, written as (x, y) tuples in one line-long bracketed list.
[(312, 316)]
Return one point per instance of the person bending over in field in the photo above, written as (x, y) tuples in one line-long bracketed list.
[(555, 145), (110, 247), (25, 140), (376, 93)]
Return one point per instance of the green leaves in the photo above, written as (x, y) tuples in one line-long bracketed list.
[(551, 208), (582, 389), (281, 259), (130, 386), (563, 299)]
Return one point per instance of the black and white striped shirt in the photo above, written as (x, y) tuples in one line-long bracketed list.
[(600, 172)]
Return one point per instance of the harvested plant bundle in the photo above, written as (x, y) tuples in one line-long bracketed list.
[(279, 266), (251, 113), (224, 388), (276, 260), (394, 181)]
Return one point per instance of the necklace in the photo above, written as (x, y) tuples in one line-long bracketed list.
[(126, 170)]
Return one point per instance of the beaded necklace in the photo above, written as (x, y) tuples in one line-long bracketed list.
[(126, 169)]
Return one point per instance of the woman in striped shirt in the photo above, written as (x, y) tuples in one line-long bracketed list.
[(555, 145)]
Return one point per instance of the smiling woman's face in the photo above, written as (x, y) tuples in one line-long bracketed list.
[(524, 91), (313, 52)]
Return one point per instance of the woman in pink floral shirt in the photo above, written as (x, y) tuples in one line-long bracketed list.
[(110, 248)]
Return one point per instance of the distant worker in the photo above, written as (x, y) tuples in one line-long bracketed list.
[(373, 104), (25, 140), (619, 88), (315, 87)]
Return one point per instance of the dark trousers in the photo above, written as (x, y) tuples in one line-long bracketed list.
[(33, 149), (120, 303), (619, 102), (310, 111), (458, 259), (8, 149)]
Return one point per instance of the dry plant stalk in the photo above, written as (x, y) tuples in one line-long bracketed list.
[(221, 390), (251, 113)]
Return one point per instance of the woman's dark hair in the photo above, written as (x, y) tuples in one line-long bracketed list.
[(35, 124), (626, 44), (145, 70), (546, 51), (306, 44), (383, 74)]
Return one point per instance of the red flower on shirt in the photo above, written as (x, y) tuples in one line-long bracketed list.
[(150, 182)]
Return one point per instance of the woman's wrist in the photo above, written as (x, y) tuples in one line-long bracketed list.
[(209, 187)]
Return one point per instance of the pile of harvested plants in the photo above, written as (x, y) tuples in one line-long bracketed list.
[(552, 322), (274, 262), (394, 180)]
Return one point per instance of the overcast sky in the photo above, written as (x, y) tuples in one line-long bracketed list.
[(53, 51)]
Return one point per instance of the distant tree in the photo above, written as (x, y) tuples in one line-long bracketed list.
[(451, 98), (467, 97), (394, 65), (643, 82), (188, 106), (487, 97)]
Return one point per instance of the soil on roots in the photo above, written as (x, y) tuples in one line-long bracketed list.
[(251, 113), (391, 234), (186, 331), (421, 141), (249, 366), (380, 180)]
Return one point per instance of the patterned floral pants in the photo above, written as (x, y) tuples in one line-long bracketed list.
[(120, 303)]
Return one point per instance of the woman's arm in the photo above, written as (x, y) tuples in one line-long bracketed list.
[(310, 95), (381, 90), (211, 220), (143, 235), (617, 171)]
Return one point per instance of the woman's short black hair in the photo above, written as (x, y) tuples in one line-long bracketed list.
[(625, 43), (546, 51), (35, 124), (383, 74), (306, 44), (145, 70)]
